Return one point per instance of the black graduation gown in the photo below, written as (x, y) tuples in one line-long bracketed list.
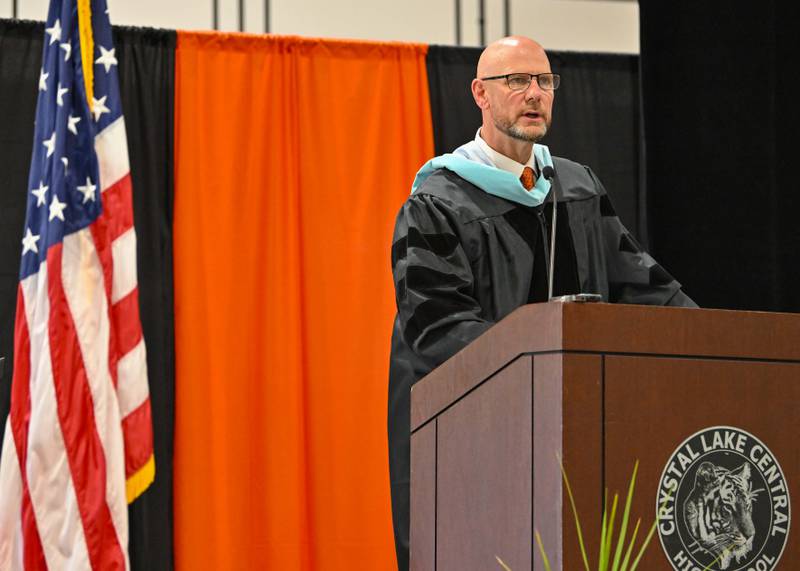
[(463, 259)]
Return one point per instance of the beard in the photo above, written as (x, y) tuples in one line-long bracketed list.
[(532, 134)]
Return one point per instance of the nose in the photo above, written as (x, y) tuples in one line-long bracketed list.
[(534, 92)]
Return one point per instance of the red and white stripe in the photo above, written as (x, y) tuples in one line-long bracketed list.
[(79, 427)]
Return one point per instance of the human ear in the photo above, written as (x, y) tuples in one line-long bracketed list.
[(479, 94)]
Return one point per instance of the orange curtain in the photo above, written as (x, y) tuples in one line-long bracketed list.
[(292, 158)]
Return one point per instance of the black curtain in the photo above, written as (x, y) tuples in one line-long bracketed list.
[(146, 67), (147, 83), (721, 117), (596, 117), (20, 64)]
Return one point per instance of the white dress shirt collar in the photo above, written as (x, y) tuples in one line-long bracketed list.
[(503, 162)]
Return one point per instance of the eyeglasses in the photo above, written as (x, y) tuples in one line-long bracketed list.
[(521, 81)]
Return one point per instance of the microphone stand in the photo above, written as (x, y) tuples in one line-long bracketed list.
[(548, 173)]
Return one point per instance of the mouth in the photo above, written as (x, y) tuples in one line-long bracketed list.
[(532, 115)]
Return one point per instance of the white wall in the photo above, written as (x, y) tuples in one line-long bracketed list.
[(30, 9), (580, 25), (429, 21)]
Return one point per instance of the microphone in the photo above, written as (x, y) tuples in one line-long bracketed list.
[(549, 174)]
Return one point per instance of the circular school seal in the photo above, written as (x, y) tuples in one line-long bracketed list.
[(723, 503)]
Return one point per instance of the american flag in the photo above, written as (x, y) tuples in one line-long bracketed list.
[(78, 443)]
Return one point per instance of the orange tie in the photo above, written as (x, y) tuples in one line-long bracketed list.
[(527, 179)]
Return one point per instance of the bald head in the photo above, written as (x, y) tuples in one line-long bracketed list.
[(502, 55), (514, 117)]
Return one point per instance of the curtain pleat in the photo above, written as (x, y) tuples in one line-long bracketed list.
[(292, 158)]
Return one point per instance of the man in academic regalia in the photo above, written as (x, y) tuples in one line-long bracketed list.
[(471, 242)]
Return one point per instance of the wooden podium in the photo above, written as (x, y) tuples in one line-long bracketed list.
[(693, 394)]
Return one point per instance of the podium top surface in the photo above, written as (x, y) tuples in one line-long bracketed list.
[(607, 329)]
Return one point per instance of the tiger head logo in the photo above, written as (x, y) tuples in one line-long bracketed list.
[(719, 512), (723, 503)]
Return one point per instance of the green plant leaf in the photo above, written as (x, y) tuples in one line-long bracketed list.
[(610, 534), (574, 513), (635, 563), (607, 529), (503, 565), (625, 561), (625, 514), (723, 552), (603, 531), (541, 551)]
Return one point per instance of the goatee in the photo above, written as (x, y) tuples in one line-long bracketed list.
[(521, 134)]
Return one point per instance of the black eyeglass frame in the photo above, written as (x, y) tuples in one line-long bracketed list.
[(556, 79)]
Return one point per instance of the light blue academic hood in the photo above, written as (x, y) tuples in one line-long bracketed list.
[(471, 163)]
